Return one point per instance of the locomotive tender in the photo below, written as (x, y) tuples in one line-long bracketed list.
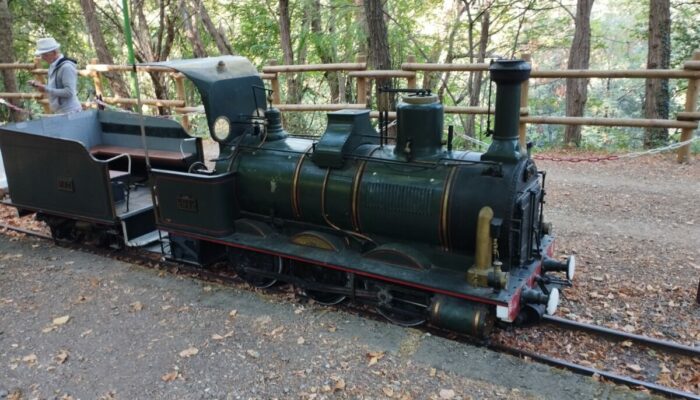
[(415, 229)]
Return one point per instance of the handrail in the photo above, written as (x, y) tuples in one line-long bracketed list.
[(128, 162)]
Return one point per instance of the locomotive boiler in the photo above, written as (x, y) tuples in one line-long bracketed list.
[(412, 228)]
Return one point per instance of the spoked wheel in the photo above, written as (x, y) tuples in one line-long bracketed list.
[(66, 232), (402, 306), (315, 274), (241, 260)]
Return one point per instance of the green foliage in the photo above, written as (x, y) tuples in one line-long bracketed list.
[(431, 30)]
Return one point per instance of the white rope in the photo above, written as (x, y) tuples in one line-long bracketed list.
[(476, 141), (671, 146)]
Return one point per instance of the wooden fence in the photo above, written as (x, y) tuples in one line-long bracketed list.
[(687, 120)]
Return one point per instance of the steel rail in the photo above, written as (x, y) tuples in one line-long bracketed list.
[(678, 348), (580, 369), (25, 231)]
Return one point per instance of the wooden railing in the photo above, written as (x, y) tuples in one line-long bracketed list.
[(687, 120)]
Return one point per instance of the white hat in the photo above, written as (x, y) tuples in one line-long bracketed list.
[(45, 45)]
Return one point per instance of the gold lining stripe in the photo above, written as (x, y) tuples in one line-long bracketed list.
[(355, 206), (477, 319), (444, 210), (355, 194), (296, 207), (323, 202)]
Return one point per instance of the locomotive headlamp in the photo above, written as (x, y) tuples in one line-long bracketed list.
[(222, 129)]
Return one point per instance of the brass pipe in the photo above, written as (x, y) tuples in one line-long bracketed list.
[(484, 249)]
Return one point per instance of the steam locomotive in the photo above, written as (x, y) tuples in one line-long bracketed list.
[(415, 229)]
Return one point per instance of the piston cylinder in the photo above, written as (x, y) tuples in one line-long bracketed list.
[(461, 316)]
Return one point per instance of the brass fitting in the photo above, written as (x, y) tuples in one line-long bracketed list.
[(485, 271)]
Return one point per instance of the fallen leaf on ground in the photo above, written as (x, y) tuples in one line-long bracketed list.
[(49, 329), (232, 314), (276, 331), (339, 384), (30, 359), (189, 352), (389, 392), (15, 395), (61, 320), (447, 394), (634, 367), (253, 353), (374, 357), (137, 306), (61, 357), (169, 377), (300, 340)]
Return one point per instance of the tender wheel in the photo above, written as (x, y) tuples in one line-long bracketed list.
[(66, 231), (402, 306), (320, 275), (241, 260)]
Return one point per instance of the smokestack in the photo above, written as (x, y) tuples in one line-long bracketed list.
[(509, 76)]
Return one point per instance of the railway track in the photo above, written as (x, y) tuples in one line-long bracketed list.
[(152, 259)]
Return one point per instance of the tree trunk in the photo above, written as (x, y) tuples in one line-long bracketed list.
[(325, 52), (477, 76), (579, 57), (191, 31), (7, 56), (144, 47), (222, 44), (288, 51), (104, 56), (379, 56), (361, 21), (656, 95)]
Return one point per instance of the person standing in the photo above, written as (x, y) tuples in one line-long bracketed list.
[(63, 77)]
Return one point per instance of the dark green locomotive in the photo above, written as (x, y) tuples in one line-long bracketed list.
[(417, 230)]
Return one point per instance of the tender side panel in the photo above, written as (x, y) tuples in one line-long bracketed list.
[(56, 176)]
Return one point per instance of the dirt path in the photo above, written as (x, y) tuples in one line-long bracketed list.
[(79, 326)]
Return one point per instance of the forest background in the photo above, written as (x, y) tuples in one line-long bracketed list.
[(558, 34)]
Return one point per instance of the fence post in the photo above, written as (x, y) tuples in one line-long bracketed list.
[(275, 84), (96, 80), (181, 95), (411, 82), (524, 88), (40, 78), (361, 82), (691, 101)]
